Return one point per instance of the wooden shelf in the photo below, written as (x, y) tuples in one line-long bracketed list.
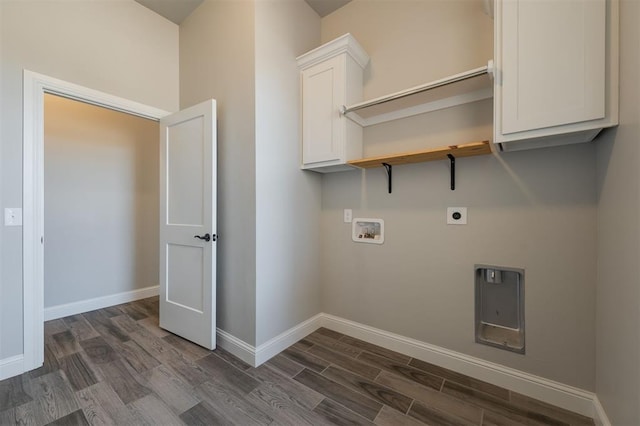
[(449, 152), (458, 89), (457, 151)]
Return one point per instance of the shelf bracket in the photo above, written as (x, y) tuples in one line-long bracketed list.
[(452, 161), (389, 168)]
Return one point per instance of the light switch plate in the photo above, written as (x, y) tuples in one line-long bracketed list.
[(13, 216), (456, 215), (348, 215)]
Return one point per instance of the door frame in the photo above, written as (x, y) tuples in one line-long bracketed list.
[(34, 88)]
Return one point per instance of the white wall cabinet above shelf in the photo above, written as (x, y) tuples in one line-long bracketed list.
[(469, 86), (331, 76), (556, 83)]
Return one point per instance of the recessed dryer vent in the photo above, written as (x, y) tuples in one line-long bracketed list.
[(500, 307)]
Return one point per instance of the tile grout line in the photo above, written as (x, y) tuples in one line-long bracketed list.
[(410, 406)]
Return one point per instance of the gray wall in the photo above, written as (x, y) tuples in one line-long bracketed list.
[(287, 199), (120, 48), (101, 202), (534, 210), (618, 290), (243, 55), (217, 61)]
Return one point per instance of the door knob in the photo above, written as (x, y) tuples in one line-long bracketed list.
[(206, 237)]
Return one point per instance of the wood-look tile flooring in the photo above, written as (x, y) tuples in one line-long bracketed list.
[(114, 366)]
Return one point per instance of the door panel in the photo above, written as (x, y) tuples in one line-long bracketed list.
[(188, 210), (186, 170), (185, 283)]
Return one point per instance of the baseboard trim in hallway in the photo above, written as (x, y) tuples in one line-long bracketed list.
[(74, 308)]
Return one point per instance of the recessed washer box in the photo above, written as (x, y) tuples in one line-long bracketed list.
[(366, 230)]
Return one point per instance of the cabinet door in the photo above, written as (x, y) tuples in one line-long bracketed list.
[(322, 96), (551, 62)]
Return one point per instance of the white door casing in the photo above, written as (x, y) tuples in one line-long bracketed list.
[(188, 223), (35, 86)]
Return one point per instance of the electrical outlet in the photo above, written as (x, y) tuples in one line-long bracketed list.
[(348, 215), (456, 215)]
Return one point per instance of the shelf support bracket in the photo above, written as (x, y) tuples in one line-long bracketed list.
[(389, 168), (452, 161)]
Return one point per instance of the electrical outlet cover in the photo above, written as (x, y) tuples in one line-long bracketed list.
[(456, 215), (348, 215)]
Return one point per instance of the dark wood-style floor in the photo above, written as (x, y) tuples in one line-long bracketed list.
[(114, 366)]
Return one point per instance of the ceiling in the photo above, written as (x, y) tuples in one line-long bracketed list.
[(177, 10), (174, 10), (325, 7)]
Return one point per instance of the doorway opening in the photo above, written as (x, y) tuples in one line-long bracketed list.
[(36, 86), (101, 198)]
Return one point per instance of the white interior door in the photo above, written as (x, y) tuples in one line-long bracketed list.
[(188, 223)]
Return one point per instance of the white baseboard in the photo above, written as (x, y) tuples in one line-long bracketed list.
[(256, 356), (236, 347), (11, 366), (61, 311), (273, 347), (555, 393), (600, 417)]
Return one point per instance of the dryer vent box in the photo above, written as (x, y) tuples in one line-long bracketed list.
[(499, 317)]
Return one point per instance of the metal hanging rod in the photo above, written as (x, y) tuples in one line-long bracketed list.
[(418, 89)]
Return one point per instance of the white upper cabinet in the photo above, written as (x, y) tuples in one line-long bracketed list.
[(556, 71), (331, 77)]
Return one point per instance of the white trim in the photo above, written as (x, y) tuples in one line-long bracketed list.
[(235, 346), (11, 366), (61, 311), (273, 347), (34, 87), (345, 43), (549, 391), (600, 416)]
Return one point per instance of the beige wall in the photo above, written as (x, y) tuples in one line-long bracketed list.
[(100, 203), (534, 210), (217, 61), (618, 291), (287, 199), (118, 47)]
